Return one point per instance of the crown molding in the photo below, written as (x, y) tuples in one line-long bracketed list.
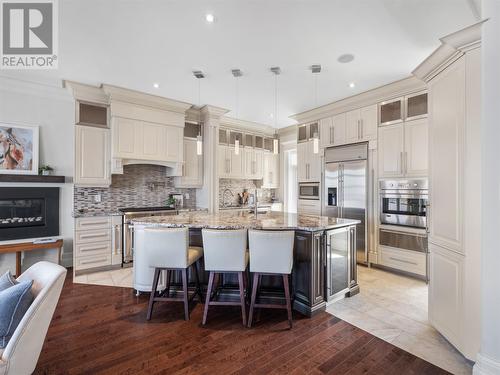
[(116, 93), (88, 93), (453, 46), (392, 90), (231, 122), (213, 111)]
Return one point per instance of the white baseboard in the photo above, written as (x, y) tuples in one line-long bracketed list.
[(486, 366)]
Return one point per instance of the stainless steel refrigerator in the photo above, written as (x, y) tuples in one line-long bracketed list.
[(345, 189)]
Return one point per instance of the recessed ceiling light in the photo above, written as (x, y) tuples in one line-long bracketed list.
[(156, 85), (352, 85), (345, 58), (210, 18)]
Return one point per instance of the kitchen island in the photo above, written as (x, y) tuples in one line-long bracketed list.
[(324, 260)]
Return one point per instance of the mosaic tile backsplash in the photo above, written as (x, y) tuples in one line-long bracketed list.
[(138, 186), (229, 189)]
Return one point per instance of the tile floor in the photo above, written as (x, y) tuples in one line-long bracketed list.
[(120, 277), (389, 306), (394, 308)]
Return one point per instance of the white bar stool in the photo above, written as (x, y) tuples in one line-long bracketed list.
[(225, 251), (271, 253), (168, 249)]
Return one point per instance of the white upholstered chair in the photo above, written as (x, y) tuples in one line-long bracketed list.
[(271, 253), (21, 353), (225, 251), (168, 249)]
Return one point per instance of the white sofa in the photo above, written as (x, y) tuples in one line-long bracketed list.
[(21, 353)]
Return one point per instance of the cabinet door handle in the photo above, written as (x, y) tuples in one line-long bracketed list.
[(333, 134), (362, 130), (331, 137), (91, 248), (93, 261), (101, 234), (401, 161), (406, 162), (359, 131), (403, 261)]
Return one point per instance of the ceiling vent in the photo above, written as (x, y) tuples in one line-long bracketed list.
[(276, 70), (236, 73), (198, 74), (316, 68)]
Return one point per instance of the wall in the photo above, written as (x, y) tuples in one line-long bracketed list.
[(229, 189), (139, 186), (51, 107)]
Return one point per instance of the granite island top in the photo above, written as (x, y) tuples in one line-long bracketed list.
[(243, 219)]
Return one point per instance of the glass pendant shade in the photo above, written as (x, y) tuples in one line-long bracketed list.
[(237, 147), (275, 146), (315, 143), (199, 145)]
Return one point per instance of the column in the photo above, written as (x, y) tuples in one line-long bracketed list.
[(488, 359), (208, 196)]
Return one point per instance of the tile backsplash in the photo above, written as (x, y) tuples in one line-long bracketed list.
[(139, 186), (229, 189)]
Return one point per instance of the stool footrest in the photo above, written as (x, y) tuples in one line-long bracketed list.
[(271, 306)]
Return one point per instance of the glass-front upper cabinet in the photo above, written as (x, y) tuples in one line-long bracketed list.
[(192, 130), (313, 129), (223, 137), (92, 114), (302, 135), (391, 112), (259, 141), (248, 140), (233, 136), (416, 106), (268, 144)]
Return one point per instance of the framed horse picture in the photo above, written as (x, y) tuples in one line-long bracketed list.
[(18, 149)]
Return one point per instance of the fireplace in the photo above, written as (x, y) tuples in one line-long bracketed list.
[(28, 212)]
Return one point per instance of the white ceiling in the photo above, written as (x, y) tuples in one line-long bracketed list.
[(136, 43)]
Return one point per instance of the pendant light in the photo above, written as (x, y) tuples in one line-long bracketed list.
[(315, 69), (277, 71), (237, 73), (199, 140)]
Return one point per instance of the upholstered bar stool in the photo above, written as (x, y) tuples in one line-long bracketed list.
[(225, 251), (271, 253), (168, 249)]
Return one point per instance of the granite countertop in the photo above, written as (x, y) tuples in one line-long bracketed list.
[(243, 219), (77, 214)]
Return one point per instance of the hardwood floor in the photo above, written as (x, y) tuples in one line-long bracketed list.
[(103, 330)]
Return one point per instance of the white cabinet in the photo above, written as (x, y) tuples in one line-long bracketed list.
[(192, 169), (97, 242), (309, 207), (361, 124), (141, 140), (332, 131), (390, 150), (253, 160), (92, 156), (454, 214), (416, 148), (237, 164), (231, 165), (403, 149), (308, 163), (271, 171)]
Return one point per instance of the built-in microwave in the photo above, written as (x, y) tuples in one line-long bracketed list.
[(309, 190)]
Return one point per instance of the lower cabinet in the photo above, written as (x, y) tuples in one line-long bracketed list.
[(97, 242), (403, 260), (309, 207)]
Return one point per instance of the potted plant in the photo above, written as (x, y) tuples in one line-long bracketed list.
[(45, 170)]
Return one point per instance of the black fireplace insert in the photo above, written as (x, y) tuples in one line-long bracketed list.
[(28, 212)]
